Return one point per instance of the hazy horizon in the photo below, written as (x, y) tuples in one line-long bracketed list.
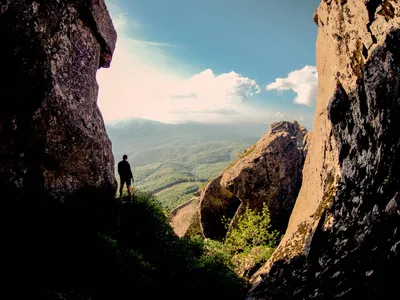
[(127, 121)]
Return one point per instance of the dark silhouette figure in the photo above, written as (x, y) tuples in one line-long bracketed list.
[(126, 177)]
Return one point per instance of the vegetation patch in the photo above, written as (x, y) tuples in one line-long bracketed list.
[(327, 199), (252, 229), (249, 244), (387, 10), (241, 156), (176, 195), (357, 60), (297, 242)]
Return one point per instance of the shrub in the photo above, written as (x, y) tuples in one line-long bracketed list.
[(217, 249), (248, 262), (251, 242), (252, 229)]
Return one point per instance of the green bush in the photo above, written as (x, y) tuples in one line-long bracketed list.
[(248, 262), (189, 264), (218, 249), (252, 229), (249, 244)]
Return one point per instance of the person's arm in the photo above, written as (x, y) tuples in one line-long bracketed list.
[(130, 172), (119, 169)]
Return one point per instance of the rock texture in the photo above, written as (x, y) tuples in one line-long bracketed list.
[(216, 202), (184, 217), (53, 142), (342, 240), (269, 172)]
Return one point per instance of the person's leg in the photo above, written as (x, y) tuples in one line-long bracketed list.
[(128, 186), (121, 189)]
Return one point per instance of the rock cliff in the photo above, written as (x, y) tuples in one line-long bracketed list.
[(342, 241), (184, 218), (269, 172), (53, 142)]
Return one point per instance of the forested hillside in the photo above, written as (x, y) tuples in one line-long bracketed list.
[(173, 161)]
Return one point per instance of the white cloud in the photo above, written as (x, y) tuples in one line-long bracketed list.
[(145, 81), (303, 82), (207, 91), (280, 115)]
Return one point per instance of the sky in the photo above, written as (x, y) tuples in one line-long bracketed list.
[(211, 61)]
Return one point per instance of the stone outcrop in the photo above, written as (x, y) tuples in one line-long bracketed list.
[(185, 217), (216, 202), (342, 241), (53, 142), (269, 172)]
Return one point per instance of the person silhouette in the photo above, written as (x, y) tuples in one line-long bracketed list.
[(126, 177)]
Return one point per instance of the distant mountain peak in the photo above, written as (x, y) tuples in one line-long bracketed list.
[(132, 121)]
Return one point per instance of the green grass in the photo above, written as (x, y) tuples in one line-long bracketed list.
[(167, 175), (204, 172), (239, 156), (142, 172), (176, 195)]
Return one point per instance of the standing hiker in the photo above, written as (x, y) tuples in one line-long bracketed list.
[(125, 174)]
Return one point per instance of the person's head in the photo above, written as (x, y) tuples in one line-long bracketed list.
[(125, 157)]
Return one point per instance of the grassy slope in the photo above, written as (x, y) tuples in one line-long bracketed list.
[(99, 248), (179, 193)]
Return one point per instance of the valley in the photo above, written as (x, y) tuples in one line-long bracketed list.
[(174, 161)]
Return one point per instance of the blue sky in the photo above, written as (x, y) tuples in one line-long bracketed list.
[(211, 61)]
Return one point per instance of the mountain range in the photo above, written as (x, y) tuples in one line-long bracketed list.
[(174, 160)]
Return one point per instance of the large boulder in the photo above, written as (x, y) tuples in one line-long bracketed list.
[(267, 173), (185, 217), (270, 173), (343, 237), (216, 203), (53, 143)]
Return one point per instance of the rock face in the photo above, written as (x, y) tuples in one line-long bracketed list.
[(216, 202), (185, 216), (269, 172), (343, 241), (53, 142)]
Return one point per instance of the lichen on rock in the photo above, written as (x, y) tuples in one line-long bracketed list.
[(341, 242)]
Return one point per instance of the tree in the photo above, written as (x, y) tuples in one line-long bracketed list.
[(253, 229)]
